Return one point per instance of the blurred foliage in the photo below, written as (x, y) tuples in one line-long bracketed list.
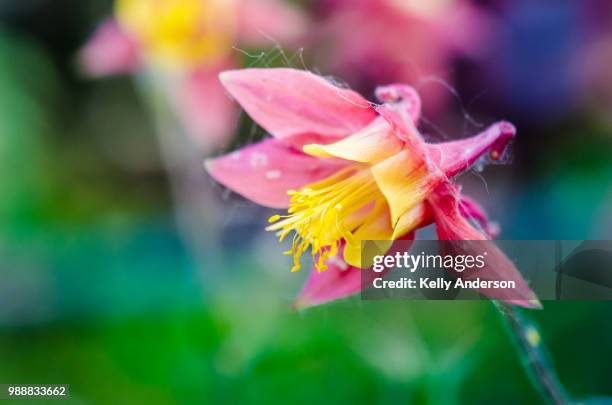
[(23, 121)]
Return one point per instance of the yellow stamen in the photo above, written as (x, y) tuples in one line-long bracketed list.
[(274, 218), (318, 214)]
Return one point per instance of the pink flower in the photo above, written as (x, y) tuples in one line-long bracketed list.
[(369, 42), (188, 43), (348, 171)]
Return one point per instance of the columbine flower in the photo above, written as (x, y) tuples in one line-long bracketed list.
[(369, 42), (189, 42), (350, 171)]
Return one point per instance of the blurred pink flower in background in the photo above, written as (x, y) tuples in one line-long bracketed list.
[(187, 43), (591, 64), (374, 42), (350, 171)]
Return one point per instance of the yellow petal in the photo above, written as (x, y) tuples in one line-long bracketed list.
[(377, 227), (374, 143), (409, 221), (356, 218), (405, 181)]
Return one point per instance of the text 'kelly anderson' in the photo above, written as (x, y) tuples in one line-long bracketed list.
[(440, 283)]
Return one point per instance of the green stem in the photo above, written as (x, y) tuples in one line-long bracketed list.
[(195, 206), (528, 342)]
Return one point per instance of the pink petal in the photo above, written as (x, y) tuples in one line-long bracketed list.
[(454, 157), (470, 209), (339, 281), (109, 52), (265, 171), (208, 113), (452, 226), (298, 106), (264, 21)]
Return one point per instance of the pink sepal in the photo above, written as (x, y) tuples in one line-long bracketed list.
[(265, 171), (297, 106)]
